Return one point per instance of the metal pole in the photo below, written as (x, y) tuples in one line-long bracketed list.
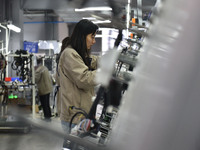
[(33, 87), (128, 17), (139, 3), (6, 40)]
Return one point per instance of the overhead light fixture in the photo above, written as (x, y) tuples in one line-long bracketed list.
[(14, 28), (89, 18), (103, 21), (94, 9), (97, 17)]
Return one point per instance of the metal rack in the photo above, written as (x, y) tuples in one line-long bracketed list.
[(14, 120), (31, 82)]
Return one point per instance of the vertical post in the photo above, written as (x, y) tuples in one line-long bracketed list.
[(17, 19), (6, 47), (2, 107), (33, 86), (139, 3), (7, 41), (2, 47), (128, 17)]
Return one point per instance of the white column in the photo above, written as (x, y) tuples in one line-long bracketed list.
[(128, 10), (139, 4)]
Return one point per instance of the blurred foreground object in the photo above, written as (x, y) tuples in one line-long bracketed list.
[(160, 110)]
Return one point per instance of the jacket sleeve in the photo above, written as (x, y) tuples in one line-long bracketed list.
[(94, 63), (75, 69)]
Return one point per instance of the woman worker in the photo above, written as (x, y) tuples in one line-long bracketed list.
[(77, 70)]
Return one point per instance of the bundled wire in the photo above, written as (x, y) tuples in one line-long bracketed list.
[(80, 113), (20, 64), (83, 127), (3, 64)]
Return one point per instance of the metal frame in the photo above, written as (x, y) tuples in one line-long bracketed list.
[(32, 80)]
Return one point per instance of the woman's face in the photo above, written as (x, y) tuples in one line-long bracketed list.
[(90, 40)]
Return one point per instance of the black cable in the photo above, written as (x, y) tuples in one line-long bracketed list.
[(20, 64), (73, 107), (77, 113), (55, 93), (5, 96), (92, 112), (119, 38)]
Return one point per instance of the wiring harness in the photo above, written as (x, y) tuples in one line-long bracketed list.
[(20, 64), (3, 64)]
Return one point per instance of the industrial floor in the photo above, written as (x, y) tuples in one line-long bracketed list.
[(41, 136)]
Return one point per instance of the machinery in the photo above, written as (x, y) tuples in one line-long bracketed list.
[(15, 92)]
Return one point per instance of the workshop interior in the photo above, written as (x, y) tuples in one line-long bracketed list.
[(148, 90)]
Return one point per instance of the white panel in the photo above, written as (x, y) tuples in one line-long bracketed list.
[(160, 110)]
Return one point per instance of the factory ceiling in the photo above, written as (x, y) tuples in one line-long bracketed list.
[(65, 9)]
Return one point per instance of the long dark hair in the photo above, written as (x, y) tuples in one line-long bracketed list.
[(78, 38), (65, 43)]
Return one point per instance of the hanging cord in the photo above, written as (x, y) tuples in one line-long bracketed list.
[(20, 64), (81, 112), (5, 96), (92, 112), (3, 64), (55, 94)]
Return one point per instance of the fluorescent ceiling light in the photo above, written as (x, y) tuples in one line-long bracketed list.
[(94, 9), (14, 28), (97, 17), (103, 21), (89, 18)]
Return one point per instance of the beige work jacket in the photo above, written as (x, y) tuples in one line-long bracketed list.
[(43, 80), (76, 83)]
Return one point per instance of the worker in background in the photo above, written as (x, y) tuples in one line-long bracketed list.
[(45, 87), (77, 70)]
